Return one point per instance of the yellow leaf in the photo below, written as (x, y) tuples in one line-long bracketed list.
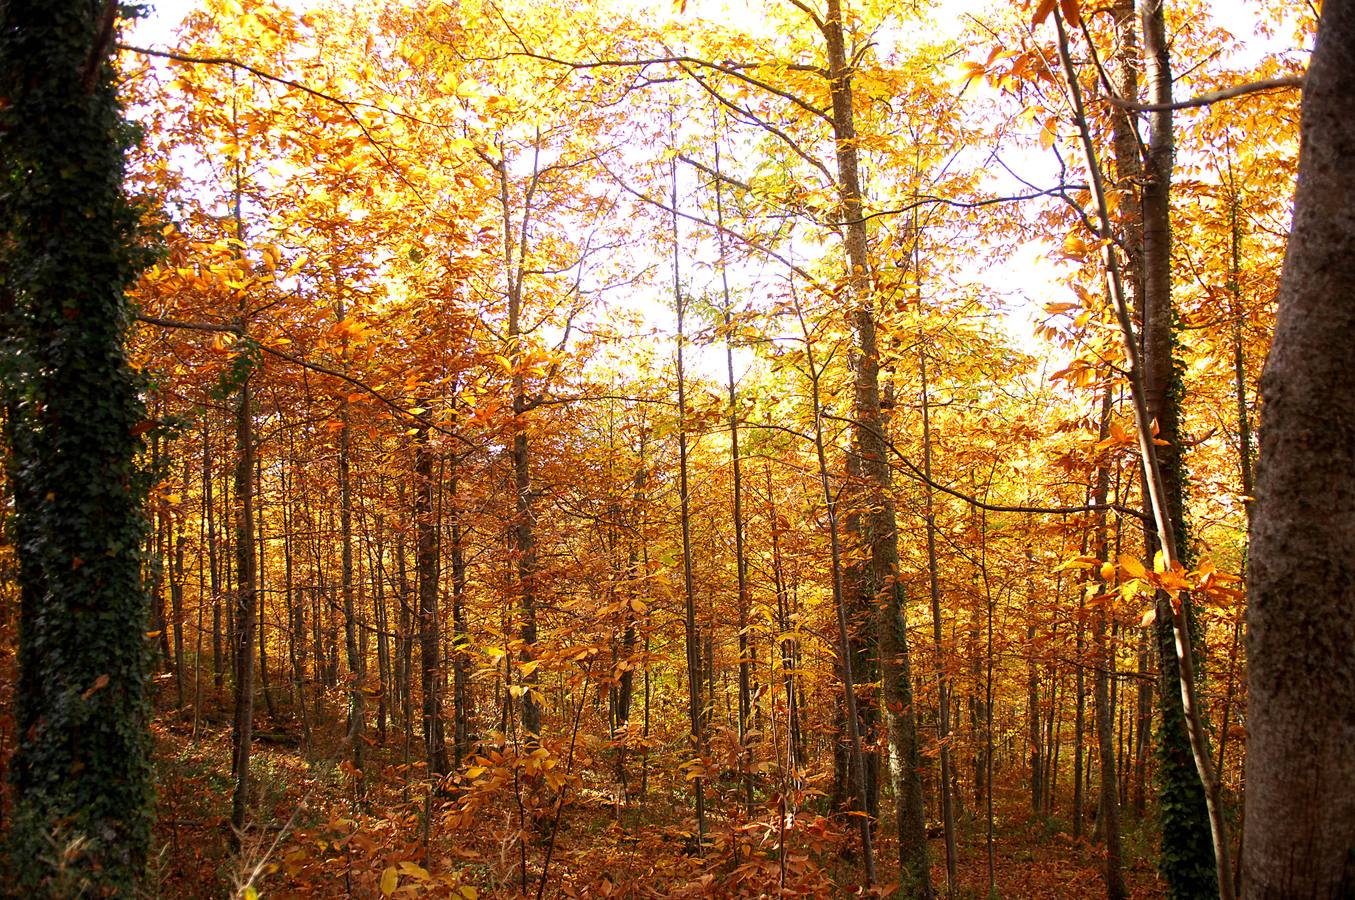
[(414, 870), (390, 879), (1132, 567)]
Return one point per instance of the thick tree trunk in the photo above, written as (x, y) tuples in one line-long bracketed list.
[(72, 421), (1300, 808)]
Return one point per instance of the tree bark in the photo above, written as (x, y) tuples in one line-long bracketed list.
[(1300, 809), (426, 566), (695, 706), (1103, 700), (73, 422), (880, 534)]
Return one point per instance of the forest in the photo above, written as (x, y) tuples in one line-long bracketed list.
[(490, 449)]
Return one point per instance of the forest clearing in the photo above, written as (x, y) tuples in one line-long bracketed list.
[(489, 449)]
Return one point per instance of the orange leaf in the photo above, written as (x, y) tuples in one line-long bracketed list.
[(1132, 567)]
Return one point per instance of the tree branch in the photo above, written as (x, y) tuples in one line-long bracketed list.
[(1208, 98)]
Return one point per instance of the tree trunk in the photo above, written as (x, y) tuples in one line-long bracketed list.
[(942, 681), (1300, 809), (426, 566), (245, 610), (1187, 860), (73, 424), (357, 702), (461, 663), (1103, 701), (213, 573), (694, 703), (882, 584), (261, 593)]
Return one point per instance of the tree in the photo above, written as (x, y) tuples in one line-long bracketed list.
[(74, 424), (1300, 838)]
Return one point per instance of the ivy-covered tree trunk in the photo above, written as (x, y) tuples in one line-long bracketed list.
[(1187, 860), (82, 774), (1300, 809)]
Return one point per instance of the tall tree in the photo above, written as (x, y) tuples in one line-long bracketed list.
[(1187, 858), (880, 581), (1300, 838), (74, 426)]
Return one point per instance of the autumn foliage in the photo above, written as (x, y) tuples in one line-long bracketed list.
[(510, 610)]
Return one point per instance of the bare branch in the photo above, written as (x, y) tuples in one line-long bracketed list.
[(1208, 98)]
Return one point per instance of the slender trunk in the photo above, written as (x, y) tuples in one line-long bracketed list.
[(694, 703), (262, 594), (857, 757), (523, 531), (1033, 738), (296, 603), (245, 613), (426, 566), (1103, 703), (1080, 716), (376, 553), (176, 581), (246, 596), (794, 743), (740, 556), (942, 681), (1166, 515), (213, 572), (461, 697), (883, 585), (357, 703)]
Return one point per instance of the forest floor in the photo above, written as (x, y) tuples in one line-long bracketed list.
[(316, 841)]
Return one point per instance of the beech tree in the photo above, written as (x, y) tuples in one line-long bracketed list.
[(1300, 838)]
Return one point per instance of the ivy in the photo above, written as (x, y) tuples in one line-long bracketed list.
[(75, 425)]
